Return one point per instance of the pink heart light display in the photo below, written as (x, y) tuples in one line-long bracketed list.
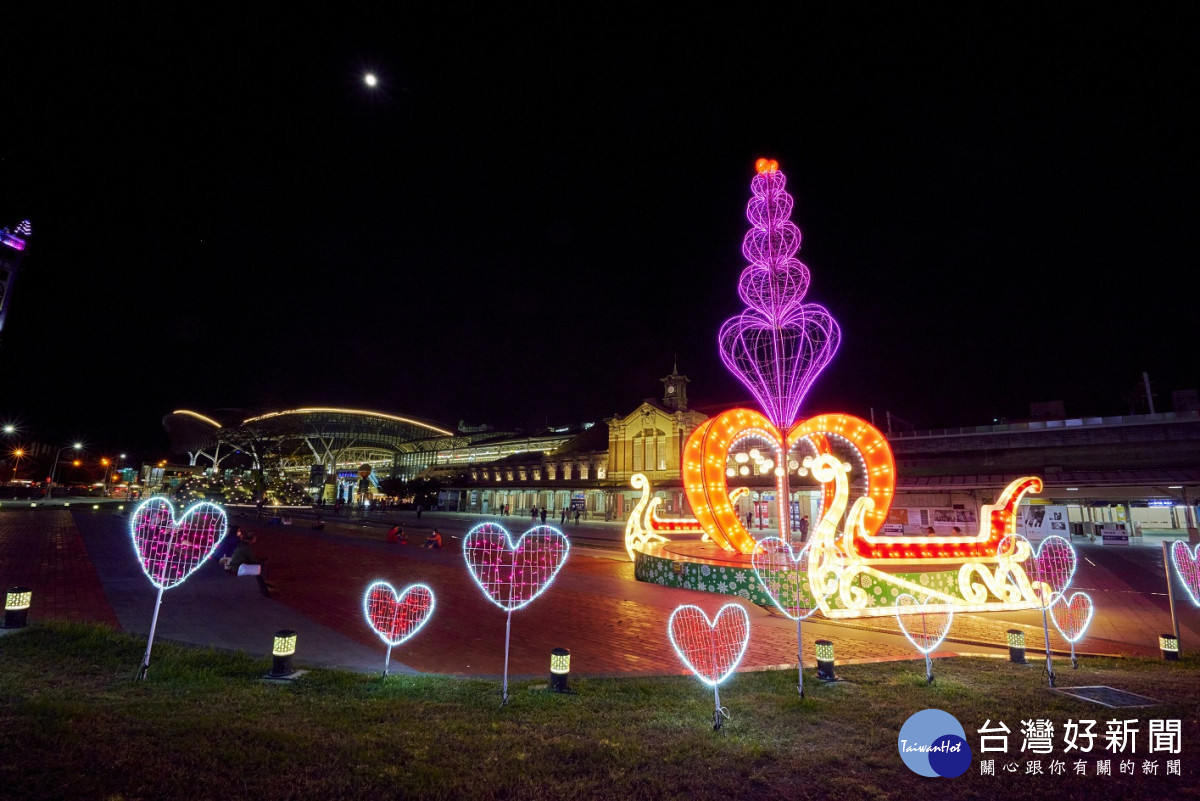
[(925, 628), (511, 574), (783, 576), (1072, 616), (779, 358), (711, 649), (397, 616), (1052, 564), (170, 549), (1187, 567)]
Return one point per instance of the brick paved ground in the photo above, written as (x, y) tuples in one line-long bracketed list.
[(612, 623), (43, 551)]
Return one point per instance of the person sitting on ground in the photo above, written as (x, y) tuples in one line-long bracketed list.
[(244, 555), (228, 545), (396, 534), (434, 540), (320, 524)]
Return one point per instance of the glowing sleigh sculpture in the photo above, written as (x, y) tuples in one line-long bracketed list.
[(776, 348)]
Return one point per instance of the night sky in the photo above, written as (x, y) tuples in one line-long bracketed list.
[(534, 215)]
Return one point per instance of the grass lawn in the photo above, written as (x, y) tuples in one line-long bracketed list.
[(75, 724)]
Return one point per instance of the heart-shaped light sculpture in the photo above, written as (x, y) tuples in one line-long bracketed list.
[(924, 627), (512, 574), (1050, 568), (710, 648), (170, 548), (783, 574), (1071, 617), (397, 616), (1187, 567)]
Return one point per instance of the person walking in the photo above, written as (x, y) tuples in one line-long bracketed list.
[(804, 529), (533, 514), (543, 515), (563, 517), (577, 517)]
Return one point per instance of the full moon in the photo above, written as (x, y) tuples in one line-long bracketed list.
[(370, 80)]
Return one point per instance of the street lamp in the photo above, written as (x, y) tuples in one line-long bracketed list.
[(54, 467), (17, 454), (104, 483)]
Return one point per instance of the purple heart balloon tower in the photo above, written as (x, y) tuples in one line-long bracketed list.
[(779, 345)]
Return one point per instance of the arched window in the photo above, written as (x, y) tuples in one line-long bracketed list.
[(649, 450)]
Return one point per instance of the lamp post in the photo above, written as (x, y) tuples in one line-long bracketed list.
[(54, 467), (17, 454)]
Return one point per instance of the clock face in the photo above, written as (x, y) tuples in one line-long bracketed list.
[(671, 389)]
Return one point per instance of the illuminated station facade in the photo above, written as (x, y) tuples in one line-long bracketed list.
[(1135, 469)]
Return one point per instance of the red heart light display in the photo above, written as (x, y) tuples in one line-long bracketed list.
[(511, 574), (1051, 565), (169, 549), (397, 616), (1187, 565), (1072, 617), (710, 648)]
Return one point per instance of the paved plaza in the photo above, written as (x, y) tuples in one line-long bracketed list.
[(81, 566)]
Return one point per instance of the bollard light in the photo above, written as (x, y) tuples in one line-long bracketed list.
[(1016, 646), (281, 654), (1169, 645), (16, 607), (560, 669), (825, 660)]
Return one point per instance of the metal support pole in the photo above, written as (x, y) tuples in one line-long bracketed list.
[(1049, 662), (507, 632), (150, 644), (1171, 590), (799, 657)]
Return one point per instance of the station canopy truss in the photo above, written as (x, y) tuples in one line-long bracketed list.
[(295, 439)]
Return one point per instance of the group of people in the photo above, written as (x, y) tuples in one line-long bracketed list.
[(536, 514), (396, 535)]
